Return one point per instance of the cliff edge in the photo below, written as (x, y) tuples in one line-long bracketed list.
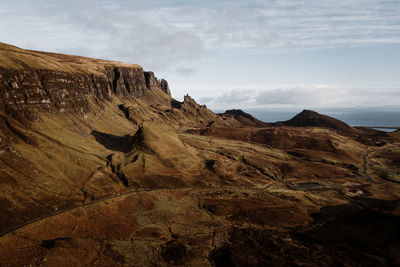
[(39, 80)]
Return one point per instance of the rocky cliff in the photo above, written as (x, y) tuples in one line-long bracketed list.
[(63, 83)]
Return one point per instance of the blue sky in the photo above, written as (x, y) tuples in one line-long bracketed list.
[(231, 54)]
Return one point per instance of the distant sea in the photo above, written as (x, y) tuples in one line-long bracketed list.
[(353, 117)]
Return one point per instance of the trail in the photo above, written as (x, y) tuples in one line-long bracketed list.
[(364, 172), (80, 206), (365, 165), (135, 191)]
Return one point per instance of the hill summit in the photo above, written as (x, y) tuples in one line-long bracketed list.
[(309, 118), (244, 118)]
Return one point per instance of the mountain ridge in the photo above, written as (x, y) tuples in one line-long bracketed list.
[(64, 85)]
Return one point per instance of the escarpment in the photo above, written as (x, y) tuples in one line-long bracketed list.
[(153, 83), (27, 84)]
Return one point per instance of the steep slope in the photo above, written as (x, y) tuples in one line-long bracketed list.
[(58, 83), (67, 125)]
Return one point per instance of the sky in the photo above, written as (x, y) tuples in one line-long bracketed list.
[(271, 54)]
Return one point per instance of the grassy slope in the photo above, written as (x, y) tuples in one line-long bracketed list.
[(17, 58)]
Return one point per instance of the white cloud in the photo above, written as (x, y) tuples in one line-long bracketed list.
[(172, 37), (308, 96), (185, 71), (206, 99), (103, 29), (236, 96), (301, 23), (164, 34)]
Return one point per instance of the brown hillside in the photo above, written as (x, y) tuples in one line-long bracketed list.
[(244, 118), (100, 166), (309, 118)]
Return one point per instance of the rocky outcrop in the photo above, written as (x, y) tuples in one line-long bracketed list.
[(165, 87), (153, 83), (125, 81), (24, 88)]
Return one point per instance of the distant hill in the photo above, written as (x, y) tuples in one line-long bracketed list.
[(244, 118), (309, 118)]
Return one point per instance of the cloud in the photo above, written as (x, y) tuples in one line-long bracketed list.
[(114, 30), (206, 99), (171, 36), (311, 96), (283, 96), (184, 71), (280, 23), (236, 96), (164, 34)]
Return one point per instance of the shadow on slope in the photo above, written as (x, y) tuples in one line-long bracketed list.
[(361, 233), (113, 142)]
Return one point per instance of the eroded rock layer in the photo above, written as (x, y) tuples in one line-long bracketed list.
[(26, 84)]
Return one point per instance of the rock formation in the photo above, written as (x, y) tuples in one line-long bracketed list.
[(153, 83), (45, 85)]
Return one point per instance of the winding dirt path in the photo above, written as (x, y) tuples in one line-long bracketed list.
[(77, 207), (119, 196), (266, 187), (365, 169), (365, 165)]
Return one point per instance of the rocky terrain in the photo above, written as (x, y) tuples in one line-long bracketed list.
[(100, 166)]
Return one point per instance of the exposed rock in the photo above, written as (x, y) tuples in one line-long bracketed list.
[(165, 87), (24, 89), (153, 83)]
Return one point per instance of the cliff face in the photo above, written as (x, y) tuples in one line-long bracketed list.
[(153, 83), (25, 86)]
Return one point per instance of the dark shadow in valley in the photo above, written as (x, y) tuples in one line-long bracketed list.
[(114, 142), (365, 232)]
